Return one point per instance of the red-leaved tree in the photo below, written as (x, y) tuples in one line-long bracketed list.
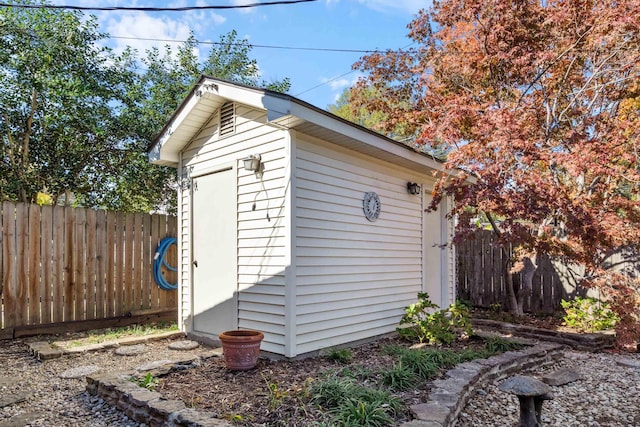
[(537, 105)]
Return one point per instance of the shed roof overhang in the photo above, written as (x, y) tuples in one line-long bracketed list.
[(283, 111)]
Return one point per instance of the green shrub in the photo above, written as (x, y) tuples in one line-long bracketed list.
[(588, 314), (398, 377), (434, 327)]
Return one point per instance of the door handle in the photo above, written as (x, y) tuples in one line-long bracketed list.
[(195, 264)]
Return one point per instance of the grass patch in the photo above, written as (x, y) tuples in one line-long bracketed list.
[(500, 345), (98, 336), (399, 377), (343, 355)]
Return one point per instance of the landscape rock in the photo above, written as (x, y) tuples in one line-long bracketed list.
[(184, 345), (131, 350), (80, 371), (561, 377)]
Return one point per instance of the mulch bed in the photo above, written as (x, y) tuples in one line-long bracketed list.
[(277, 392)]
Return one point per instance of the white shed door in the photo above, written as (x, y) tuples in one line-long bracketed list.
[(215, 285)]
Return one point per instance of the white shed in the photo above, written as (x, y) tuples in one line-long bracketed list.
[(324, 245)]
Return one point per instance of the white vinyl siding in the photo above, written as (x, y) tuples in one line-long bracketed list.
[(353, 277), (261, 241)]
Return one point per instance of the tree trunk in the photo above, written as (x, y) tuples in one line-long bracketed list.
[(508, 282), (530, 267)]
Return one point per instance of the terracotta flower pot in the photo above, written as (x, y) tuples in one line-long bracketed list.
[(241, 348)]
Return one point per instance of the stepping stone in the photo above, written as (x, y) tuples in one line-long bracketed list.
[(131, 350), (14, 398), (22, 420), (80, 371), (575, 355), (184, 345), (8, 381), (561, 377), (629, 363), (154, 365)]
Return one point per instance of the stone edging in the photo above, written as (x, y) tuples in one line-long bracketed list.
[(149, 407), (449, 395), (44, 350), (578, 341)]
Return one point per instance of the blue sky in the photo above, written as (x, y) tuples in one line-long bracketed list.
[(316, 77)]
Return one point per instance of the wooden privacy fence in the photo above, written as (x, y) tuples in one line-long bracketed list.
[(63, 264), (481, 281)]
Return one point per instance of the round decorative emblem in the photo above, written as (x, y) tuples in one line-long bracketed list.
[(371, 206)]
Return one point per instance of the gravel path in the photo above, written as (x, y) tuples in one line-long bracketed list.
[(50, 400), (607, 395)]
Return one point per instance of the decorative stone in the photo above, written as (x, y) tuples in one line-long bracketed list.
[(561, 377), (629, 363), (184, 345), (13, 398), (131, 350), (531, 394), (79, 371), (157, 364), (21, 420), (431, 412)]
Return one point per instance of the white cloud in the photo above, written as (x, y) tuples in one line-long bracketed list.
[(139, 27), (386, 6), (242, 3)]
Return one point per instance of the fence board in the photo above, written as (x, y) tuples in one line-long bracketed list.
[(128, 264), (155, 240), (162, 223), (101, 264), (33, 260), (9, 266), (80, 279), (22, 246), (137, 262), (119, 264), (62, 264), (110, 293), (46, 267), (90, 289), (69, 256), (58, 264), (147, 262), (172, 254)]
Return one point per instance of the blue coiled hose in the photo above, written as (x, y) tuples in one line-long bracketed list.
[(159, 261)]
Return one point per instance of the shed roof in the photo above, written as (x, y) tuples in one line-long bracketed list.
[(284, 111)]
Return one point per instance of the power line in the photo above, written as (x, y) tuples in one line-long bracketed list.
[(263, 46), (154, 9)]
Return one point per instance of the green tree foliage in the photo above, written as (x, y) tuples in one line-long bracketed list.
[(365, 106), (59, 96), (154, 95), (77, 119)]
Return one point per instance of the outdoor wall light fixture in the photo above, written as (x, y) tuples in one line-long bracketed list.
[(413, 188), (253, 163)]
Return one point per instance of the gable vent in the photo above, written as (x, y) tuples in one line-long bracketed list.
[(227, 119)]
